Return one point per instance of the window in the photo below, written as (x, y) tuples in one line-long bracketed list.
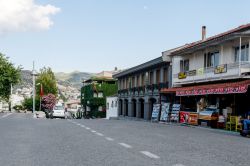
[(100, 94), (165, 77), (138, 81), (184, 65), (158, 76), (116, 104), (151, 77), (244, 53), (211, 59), (142, 80), (112, 104), (95, 95)]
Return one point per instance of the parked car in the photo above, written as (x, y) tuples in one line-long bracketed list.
[(209, 117), (58, 112)]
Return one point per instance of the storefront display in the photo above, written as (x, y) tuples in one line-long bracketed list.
[(174, 117), (165, 109), (193, 118), (184, 116), (155, 112)]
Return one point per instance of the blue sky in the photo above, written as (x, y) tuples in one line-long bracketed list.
[(96, 35)]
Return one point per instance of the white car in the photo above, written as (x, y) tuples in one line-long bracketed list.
[(58, 112)]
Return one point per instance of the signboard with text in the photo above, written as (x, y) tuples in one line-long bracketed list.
[(213, 90)]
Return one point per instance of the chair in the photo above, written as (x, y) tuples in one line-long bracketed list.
[(238, 124), (231, 124)]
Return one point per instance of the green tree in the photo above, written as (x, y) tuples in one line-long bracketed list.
[(9, 75), (47, 80), (28, 103)]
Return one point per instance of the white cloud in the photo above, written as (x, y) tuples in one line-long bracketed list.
[(25, 15)]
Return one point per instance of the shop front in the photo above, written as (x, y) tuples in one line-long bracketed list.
[(219, 105)]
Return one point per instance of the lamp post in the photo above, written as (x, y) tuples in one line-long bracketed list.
[(34, 74), (40, 106)]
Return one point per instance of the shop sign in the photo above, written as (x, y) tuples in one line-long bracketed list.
[(193, 118), (155, 112), (191, 73), (220, 69), (184, 116), (215, 90), (175, 112), (182, 75), (165, 108)]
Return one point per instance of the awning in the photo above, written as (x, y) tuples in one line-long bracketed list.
[(220, 88)]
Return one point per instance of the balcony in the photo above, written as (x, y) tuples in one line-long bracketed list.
[(221, 72)]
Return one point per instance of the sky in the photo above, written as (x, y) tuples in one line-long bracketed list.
[(97, 35)]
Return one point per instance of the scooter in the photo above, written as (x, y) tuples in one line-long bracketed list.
[(245, 128)]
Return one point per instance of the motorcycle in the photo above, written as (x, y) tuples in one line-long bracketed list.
[(245, 131)]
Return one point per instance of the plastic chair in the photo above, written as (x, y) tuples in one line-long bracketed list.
[(231, 124)]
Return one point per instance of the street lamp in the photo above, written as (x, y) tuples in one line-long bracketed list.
[(34, 74), (41, 86)]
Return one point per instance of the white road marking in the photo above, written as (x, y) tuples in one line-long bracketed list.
[(178, 165), (109, 139), (82, 126), (4, 116), (151, 155), (93, 131), (87, 128), (99, 134), (125, 145)]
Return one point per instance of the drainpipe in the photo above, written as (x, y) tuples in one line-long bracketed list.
[(240, 58)]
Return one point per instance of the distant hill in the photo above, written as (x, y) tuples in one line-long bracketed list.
[(73, 79), (26, 80)]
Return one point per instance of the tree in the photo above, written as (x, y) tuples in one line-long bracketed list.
[(28, 104), (48, 101), (9, 75), (47, 80)]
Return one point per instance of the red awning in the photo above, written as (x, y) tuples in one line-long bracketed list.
[(221, 88)]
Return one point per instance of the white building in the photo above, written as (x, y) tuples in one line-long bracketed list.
[(112, 107)]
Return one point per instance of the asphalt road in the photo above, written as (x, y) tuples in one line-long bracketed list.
[(26, 141)]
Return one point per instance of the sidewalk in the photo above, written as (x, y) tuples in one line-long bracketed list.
[(184, 125)]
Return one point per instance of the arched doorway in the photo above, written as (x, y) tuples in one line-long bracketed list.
[(141, 101), (120, 106), (126, 107), (133, 107), (152, 101)]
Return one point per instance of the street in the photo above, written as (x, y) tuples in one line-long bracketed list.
[(26, 141)]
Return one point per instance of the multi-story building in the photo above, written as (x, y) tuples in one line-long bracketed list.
[(215, 68), (94, 93), (139, 87)]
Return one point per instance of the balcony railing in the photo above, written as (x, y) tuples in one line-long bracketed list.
[(213, 73), (141, 90)]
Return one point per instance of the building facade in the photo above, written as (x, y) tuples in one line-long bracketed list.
[(215, 70), (94, 93), (139, 88), (112, 107)]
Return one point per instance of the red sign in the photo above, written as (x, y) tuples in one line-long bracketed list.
[(184, 117), (212, 90)]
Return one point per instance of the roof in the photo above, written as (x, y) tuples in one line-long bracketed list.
[(96, 78), (212, 38), (142, 66)]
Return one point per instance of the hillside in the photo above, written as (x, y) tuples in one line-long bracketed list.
[(73, 79)]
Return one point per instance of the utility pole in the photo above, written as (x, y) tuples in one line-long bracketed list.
[(34, 88)]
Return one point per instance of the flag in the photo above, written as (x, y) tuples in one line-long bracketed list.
[(41, 91)]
